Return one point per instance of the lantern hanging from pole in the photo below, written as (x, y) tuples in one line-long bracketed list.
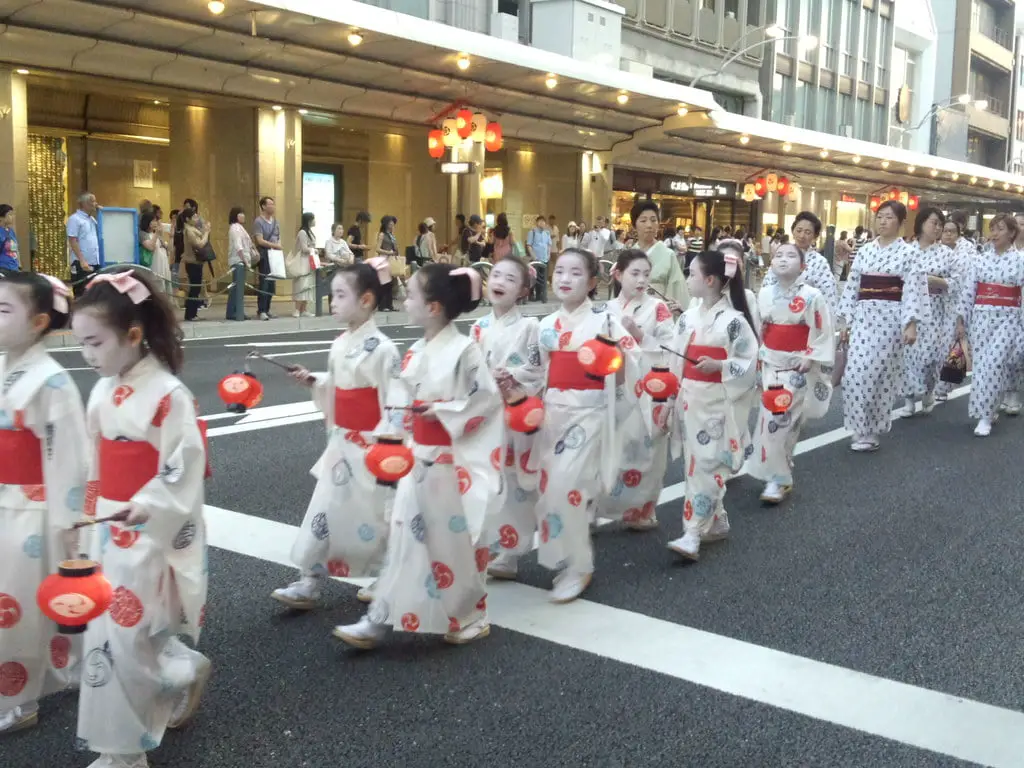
[(492, 137), (435, 144), (450, 132), (777, 399), (240, 391), (478, 127), (914, 202), (660, 384), (600, 357), (782, 186), (464, 123), (389, 460), (524, 414), (75, 595), (874, 204), (761, 186)]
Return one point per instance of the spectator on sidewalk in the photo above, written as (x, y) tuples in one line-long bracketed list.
[(83, 242), (336, 250), (356, 242), (9, 260), (242, 255), (267, 234), (304, 284), (472, 241), (153, 252), (538, 249), (196, 238)]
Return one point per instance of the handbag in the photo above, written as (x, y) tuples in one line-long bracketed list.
[(205, 253), (314, 261), (954, 370), (839, 368), (275, 261)]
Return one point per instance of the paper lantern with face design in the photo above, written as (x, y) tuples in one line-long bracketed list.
[(75, 595)]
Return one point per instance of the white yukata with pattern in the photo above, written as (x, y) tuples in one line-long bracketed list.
[(755, 315), (345, 530), (874, 363), (711, 420), (776, 435), (509, 342), (148, 451), (994, 332), (965, 251), (634, 495), (433, 577), (578, 448), (45, 462), (923, 361), (817, 274)]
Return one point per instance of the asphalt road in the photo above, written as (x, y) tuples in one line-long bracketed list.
[(872, 621)]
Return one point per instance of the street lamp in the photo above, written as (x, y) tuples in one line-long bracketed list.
[(773, 34)]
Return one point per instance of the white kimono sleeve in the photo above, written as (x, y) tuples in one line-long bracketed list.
[(396, 399), (532, 374), (846, 310), (968, 293), (821, 340), (915, 304), (739, 369), (66, 455)]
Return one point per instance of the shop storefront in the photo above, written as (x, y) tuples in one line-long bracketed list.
[(685, 202)]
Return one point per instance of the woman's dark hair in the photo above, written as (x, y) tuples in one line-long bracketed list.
[(641, 208), (233, 215), (5, 209), (307, 224), (453, 292), (591, 261), (363, 278), (712, 264), (363, 218), (740, 233), (385, 220), (955, 223), (174, 213), (147, 218), (923, 215), (423, 228), (39, 292), (158, 211), (154, 315), (501, 227), (626, 257), (716, 234), (899, 210), (190, 203), (187, 214), (810, 218)]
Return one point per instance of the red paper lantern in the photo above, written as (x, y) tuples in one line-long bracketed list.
[(240, 391), (435, 144), (761, 186), (894, 194), (464, 123), (875, 203), (914, 202), (600, 357), (492, 137), (389, 460), (75, 595), (660, 384), (524, 414), (777, 399), (783, 186)]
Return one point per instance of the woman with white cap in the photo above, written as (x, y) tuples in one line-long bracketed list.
[(426, 243)]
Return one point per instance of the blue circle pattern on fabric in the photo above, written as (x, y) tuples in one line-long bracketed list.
[(418, 527), (57, 381), (821, 391), (458, 524), (555, 525), (319, 526), (366, 532), (703, 505), (703, 437), (33, 546), (431, 584), (549, 338), (521, 494), (76, 498), (798, 380)]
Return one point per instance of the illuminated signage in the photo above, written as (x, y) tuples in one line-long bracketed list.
[(458, 168), (699, 188)]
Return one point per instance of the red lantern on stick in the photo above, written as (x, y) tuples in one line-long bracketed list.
[(75, 595), (464, 123), (240, 391), (435, 144), (783, 186), (600, 357), (389, 460), (492, 137), (777, 399), (660, 384), (524, 414)]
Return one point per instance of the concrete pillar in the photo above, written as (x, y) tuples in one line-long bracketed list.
[(279, 159), (600, 183), (470, 201), (14, 153)]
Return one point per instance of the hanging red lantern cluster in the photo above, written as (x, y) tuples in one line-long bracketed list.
[(660, 384), (913, 202), (600, 357), (75, 595), (524, 414), (389, 460), (240, 391), (772, 183), (435, 144), (777, 399), (465, 125)]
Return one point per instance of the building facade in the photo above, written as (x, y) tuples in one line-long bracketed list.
[(912, 76)]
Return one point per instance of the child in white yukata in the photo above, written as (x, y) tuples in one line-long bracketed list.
[(433, 577), (716, 360), (345, 530), (149, 459), (806, 230), (42, 489)]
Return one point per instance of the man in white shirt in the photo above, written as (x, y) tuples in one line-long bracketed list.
[(599, 239)]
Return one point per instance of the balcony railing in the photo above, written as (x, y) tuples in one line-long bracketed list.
[(996, 35)]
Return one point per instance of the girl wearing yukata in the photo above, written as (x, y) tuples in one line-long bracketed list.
[(345, 530), (797, 352), (990, 316), (433, 577), (884, 300), (666, 274), (148, 459), (634, 496), (42, 488), (716, 365), (923, 361), (818, 273), (508, 339)]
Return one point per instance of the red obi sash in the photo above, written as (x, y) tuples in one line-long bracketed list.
[(880, 288), (696, 352), (21, 457), (357, 408), (565, 372), (996, 295), (428, 431), (786, 337), (126, 466)]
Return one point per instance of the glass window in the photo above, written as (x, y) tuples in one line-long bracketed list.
[(828, 114), (845, 112), (708, 5), (779, 98), (754, 13), (881, 123), (801, 107), (864, 126), (732, 8)]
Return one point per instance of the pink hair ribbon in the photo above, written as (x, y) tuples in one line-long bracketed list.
[(475, 282), (731, 262), (60, 294), (124, 282)]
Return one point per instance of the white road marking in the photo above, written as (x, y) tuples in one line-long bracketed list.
[(931, 720)]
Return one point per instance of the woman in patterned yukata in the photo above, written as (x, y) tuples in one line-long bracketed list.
[(345, 530), (990, 317), (923, 361), (42, 488), (578, 448), (964, 252), (634, 495), (797, 352), (882, 303), (716, 364), (508, 340), (433, 577), (149, 459), (818, 274)]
